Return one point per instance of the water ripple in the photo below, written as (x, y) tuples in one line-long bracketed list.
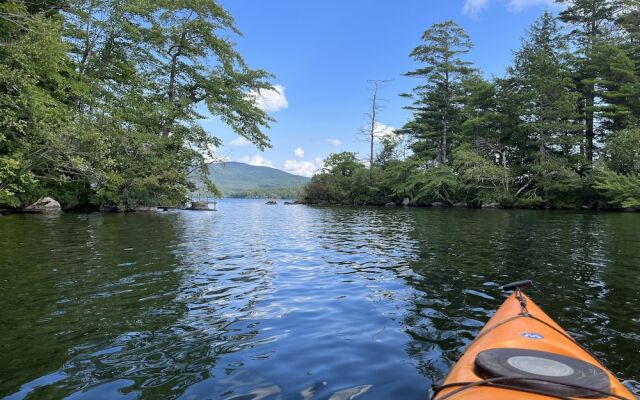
[(257, 302)]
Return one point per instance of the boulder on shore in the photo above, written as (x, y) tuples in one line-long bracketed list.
[(406, 202), (461, 205), (45, 205), (490, 205), (201, 206), (439, 204), (145, 209)]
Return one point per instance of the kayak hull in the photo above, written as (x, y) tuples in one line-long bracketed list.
[(513, 327)]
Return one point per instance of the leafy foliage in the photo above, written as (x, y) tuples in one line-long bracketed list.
[(618, 189), (623, 151), (100, 101)]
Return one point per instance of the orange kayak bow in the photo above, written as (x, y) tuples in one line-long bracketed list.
[(521, 353)]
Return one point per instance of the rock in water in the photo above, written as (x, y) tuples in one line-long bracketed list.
[(490, 205), (406, 201), (45, 205), (460, 205), (439, 204), (146, 209), (201, 206)]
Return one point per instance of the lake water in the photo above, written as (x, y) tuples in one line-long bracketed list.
[(295, 302)]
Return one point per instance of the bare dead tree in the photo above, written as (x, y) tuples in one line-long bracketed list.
[(375, 86)]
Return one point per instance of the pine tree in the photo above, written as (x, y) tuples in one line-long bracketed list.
[(437, 102), (629, 22), (591, 21), (546, 102), (543, 83)]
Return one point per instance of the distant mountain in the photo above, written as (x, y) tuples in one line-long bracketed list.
[(239, 179)]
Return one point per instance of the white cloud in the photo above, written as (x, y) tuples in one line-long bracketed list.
[(304, 168), (299, 152), (239, 142), (271, 100), (474, 7), (382, 131), (257, 160), (521, 5), (212, 154), (334, 142)]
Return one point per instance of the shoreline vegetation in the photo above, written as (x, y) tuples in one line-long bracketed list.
[(99, 109), (560, 130), (100, 100)]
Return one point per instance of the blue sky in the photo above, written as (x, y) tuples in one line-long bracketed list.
[(323, 52)]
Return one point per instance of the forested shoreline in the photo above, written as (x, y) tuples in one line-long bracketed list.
[(559, 130), (101, 100), (101, 103)]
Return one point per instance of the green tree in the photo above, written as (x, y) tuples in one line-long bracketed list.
[(342, 164), (629, 21), (623, 152), (343, 180), (618, 189), (100, 101), (44, 146), (388, 151), (545, 100), (592, 23), (438, 183), (436, 102), (483, 181), (397, 179), (542, 81)]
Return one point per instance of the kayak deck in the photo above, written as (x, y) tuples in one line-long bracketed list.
[(520, 324)]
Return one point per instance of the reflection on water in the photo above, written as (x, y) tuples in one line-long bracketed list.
[(257, 302)]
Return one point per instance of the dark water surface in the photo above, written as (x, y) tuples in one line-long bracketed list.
[(292, 302)]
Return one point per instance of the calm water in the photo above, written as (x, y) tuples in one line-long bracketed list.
[(292, 302)]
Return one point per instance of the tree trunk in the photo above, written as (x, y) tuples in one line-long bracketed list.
[(589, 132), (172, 81), (373, 124), (445, 120)]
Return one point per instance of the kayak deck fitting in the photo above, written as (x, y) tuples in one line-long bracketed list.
[(521, 353)]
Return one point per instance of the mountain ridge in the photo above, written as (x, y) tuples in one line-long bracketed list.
[(235, 178)]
